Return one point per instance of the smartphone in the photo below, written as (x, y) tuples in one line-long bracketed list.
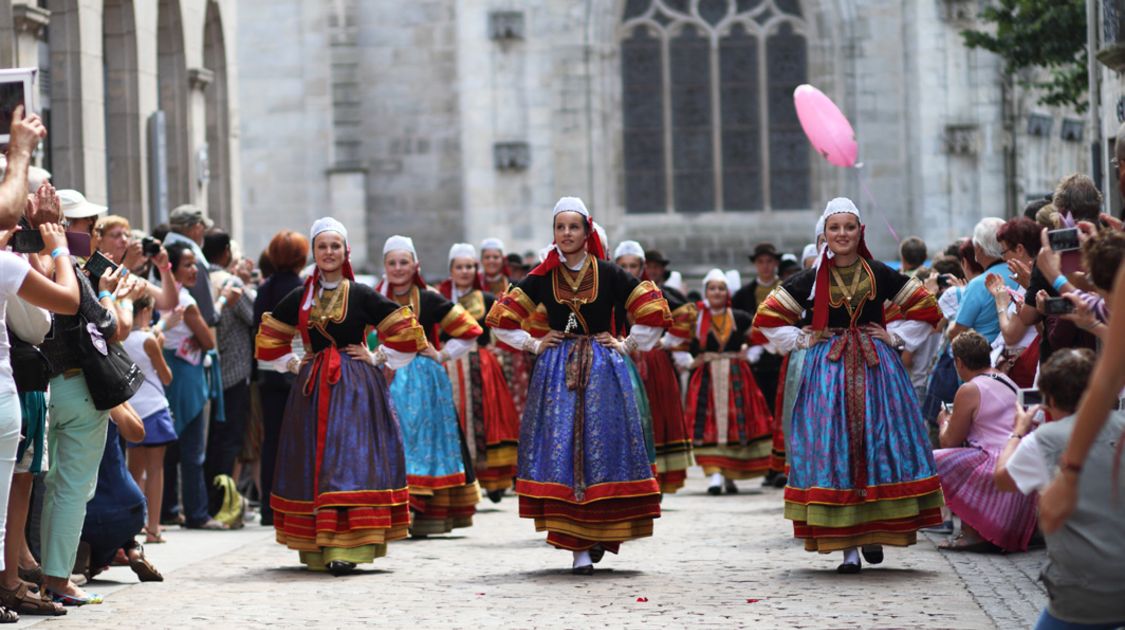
[(1063, 240), (943, 281), (1030, 397), (1058, 306), (947, 407), (28, 241), (97, 265)]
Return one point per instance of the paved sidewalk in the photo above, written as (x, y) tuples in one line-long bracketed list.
[(718, 562)]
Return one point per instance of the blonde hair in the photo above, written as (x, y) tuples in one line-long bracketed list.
[(109, 222)]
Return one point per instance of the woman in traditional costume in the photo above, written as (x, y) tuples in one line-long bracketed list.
[(861, 472), (730, 420), (488, 416), (443, 488), (671, 436), (584, 474), (494, 272), (516, 363), (340, 492)]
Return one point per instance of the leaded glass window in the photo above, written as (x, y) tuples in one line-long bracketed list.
[(709, 124)]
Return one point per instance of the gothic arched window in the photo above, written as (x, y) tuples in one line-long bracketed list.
[(707, 98)]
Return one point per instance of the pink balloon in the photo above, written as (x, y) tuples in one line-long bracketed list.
[(826, 126)]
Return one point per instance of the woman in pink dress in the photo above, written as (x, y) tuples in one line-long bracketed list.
[(972, 436)]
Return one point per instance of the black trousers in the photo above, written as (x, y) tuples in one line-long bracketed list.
[(224, 439), (274, 389), (766, 372)]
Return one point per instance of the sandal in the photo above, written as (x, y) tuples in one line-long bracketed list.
[(153, 538), (143, 568), (26, 602), (8, 616)]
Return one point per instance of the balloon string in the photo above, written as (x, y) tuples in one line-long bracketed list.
[(874, 205)]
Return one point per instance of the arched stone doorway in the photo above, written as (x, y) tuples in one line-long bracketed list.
[(173, 92), (219, 203), (124, 126)]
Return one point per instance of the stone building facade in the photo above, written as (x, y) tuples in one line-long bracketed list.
[(455, 120), (140, 100)]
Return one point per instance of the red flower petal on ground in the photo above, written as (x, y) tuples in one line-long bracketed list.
[(751, 600), (642, 599)]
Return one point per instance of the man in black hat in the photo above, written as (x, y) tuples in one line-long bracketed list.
[(656, 265), (517, 269), (766, 260)]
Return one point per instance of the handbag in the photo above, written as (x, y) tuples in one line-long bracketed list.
[(30, 368), (111, 376)]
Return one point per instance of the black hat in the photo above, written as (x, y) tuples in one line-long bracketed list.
[(765, 249), (655, 256), (516, 261)]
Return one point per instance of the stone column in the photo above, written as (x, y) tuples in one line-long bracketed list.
[(77, 134), (197, 167), (30, 25)]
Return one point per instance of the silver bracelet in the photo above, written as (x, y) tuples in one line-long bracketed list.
[(631, 345)]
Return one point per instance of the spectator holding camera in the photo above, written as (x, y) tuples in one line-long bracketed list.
[(1102, 255), (1076, 199), (20, 280), (972, 435), (112, 238), (24, 136), (1085, 583)]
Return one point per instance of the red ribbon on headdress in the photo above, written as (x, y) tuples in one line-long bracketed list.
[(594, 246), (823, 295)]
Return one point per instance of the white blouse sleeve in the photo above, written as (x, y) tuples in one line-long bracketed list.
[(645, 337), (516, 338), (396, 359), (784, 338), (456, 348), (912, 332)]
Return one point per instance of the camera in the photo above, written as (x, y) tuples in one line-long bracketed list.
[(943, 281), (1030, 396), (1058, 306), (150, 246), (1063, 240)]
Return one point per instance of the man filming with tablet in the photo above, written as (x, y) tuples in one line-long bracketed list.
[(25, 134)]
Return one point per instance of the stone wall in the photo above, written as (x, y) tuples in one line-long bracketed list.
[(943, 133), (101, 77)]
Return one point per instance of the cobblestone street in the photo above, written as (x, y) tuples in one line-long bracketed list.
[(714, 562)]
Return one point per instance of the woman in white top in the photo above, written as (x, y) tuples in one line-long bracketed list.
[(17, 278), (146, 458), (184, 347)]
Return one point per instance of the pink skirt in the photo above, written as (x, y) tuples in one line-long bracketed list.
[(1005, 519)]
